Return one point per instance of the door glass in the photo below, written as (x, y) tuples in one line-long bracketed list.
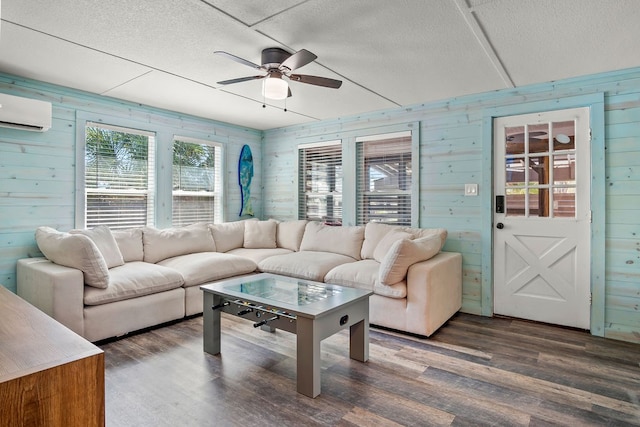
[(539, 175), (564, 202), (538, 170), (515, 202), (563, 135), (538, 138)]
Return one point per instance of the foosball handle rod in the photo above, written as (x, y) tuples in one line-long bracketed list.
[(219, 306), (265, 321)]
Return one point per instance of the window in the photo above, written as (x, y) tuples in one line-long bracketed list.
[(320, 182), (197, 181), (384, 178), (119, 176)]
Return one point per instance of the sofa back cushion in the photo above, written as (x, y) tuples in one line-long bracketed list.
[(404, 253), (130, 244), (170, 242), (289, 234), (75, 251), (338, 240), (228, 235), (260, 234), (106, 244)]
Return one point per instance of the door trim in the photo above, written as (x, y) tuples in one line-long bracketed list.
[(596, 103)]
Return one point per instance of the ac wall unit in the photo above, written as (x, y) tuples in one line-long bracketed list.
[(24, 113)]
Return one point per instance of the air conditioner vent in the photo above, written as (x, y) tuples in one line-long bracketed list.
[(24, 113)]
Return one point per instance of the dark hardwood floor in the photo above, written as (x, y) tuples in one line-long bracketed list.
[(473, 371)]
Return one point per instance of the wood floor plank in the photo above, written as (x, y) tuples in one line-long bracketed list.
[(473, 371)]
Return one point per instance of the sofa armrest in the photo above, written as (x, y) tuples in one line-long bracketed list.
[(434, 292), (55, 289)]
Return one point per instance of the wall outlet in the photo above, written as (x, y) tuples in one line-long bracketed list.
[(471, 189)]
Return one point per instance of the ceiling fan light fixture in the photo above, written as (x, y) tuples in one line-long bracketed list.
[(275, 88)]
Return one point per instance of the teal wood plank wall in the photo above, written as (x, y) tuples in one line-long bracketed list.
[(37, 170), (456, 148)]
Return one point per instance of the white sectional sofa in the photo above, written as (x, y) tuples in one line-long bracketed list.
[(102, 283)]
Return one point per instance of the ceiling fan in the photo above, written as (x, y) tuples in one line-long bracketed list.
[(278, 64)]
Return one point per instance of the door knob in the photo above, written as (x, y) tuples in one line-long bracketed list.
[(499, 226)]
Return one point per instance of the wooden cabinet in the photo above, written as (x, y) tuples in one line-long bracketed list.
[(49, 376)]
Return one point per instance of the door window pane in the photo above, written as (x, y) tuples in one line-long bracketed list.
[(536, 171), (563, 135), (564, 202)]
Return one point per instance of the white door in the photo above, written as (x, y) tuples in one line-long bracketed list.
[(542, 217)]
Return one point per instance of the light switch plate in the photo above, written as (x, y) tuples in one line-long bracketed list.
[(471, 189)]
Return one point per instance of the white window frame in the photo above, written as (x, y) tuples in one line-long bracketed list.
[(304, 195), (216, 193), (81, 189), (362, 190)]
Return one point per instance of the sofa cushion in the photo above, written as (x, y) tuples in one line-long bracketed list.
[(397, 290), (257, 255), (405, 253), (130, 244), (305, 265), (228, 235), (203, 267), (106, 244), (260, 234), (75, 251), (134, 279), (373, 234), (170, 242), (387, 241), (360, 274), (289, 234), (338, 240)]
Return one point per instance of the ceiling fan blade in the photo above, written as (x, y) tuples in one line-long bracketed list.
[(238, 59), (240, 80), (298, 59), (315, 80)]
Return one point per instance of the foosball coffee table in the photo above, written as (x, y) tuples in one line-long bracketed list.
[(311, 310)]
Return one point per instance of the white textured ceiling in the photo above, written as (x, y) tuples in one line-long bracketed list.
[(388, 53)]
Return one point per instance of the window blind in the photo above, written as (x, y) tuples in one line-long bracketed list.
[(119, 176), (197, 176), (384, 179), (320, 182)]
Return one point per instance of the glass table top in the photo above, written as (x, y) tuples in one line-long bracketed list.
[(289, 292)]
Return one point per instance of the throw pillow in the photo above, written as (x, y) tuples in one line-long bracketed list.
[(260, 234), (387, 241), (75, 251), (405, 253), (373, 233), (106, 244), (170, 242)]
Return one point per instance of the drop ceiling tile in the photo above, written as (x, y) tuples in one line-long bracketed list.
[(175, 37), (168, 92), (253, 12), (420, 52), (549, 40), (37, 56)]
